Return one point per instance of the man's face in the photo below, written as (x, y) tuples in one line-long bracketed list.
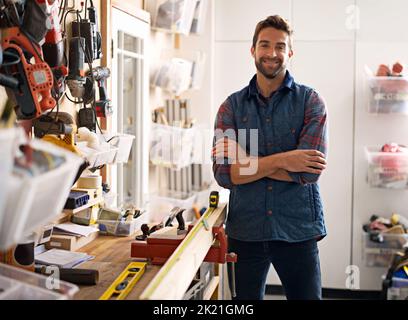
[(271, 52)]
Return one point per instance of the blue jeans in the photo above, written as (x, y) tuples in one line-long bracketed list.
[(297, 265)]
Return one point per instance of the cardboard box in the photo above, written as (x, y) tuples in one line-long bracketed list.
[(70, 243), (87, 216)]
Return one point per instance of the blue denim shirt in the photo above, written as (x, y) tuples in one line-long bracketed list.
[(294, 117)]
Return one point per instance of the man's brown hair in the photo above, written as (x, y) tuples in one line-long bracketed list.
[(276, 22)]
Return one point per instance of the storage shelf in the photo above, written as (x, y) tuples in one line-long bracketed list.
[(85, 206)]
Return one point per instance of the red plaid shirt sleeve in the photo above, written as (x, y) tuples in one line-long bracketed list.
[(224, 123), (314, 134)]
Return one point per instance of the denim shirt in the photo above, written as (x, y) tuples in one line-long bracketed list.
[(294, 117)]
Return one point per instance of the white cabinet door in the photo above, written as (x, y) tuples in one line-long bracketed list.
[(130, 92), (313, 65), (323, 20), (236, 19)]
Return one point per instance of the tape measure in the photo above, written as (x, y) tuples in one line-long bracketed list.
[(125, 282)]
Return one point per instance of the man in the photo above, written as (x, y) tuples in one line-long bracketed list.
[(275, 211)]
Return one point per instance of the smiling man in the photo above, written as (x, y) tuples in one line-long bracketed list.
[(275, 211)]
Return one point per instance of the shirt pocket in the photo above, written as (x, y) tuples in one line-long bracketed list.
[(288, 133), (295, 201)]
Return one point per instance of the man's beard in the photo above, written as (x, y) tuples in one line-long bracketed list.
[(270, 73)]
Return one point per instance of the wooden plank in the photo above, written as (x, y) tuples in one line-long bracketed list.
[(188, 257), (211, 288)]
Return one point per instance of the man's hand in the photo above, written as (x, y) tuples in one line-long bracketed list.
[(311, 161), (227, 148)]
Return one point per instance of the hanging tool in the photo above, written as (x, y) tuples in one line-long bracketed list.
[(125, 282), (88, 29), (104, 105), (24, 27), (76, 77), (53, 47), (33, 95)]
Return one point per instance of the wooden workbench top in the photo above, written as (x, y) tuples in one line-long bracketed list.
[(112, 255)]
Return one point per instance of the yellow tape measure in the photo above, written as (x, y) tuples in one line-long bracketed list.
[(125, 282)]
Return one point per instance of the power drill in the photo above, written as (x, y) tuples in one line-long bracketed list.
[(53, 48), (103, 105)]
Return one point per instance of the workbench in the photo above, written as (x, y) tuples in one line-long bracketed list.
[(112, 255)]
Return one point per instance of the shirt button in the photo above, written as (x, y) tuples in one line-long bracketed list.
[(269, 212), (269, 188), (268, 119)]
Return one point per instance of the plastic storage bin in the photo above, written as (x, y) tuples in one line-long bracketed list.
[(387, 94), (18, 284), (34, 201), (398, 290), (172, 16), (387, 169), (124, 143), (161, 204), (171, 147), (378, 254), (121, 228), (96, 158)]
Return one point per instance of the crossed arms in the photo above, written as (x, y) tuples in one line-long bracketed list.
[(302, 165)]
